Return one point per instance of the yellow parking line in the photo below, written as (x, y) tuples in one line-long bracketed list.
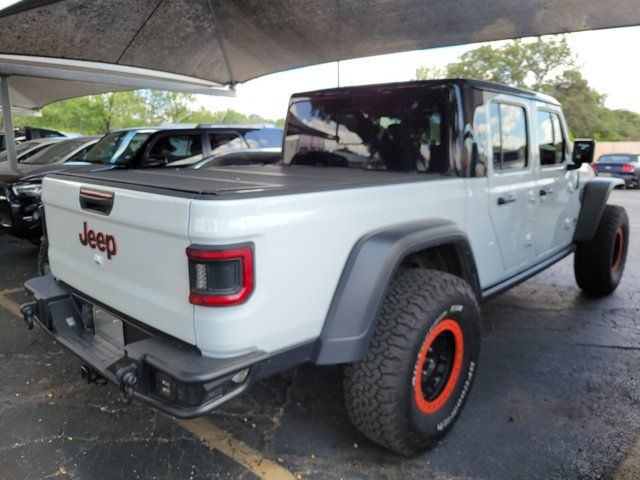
[(9, 291), (10, 305), (238, 451), (206, 431), (629, 469)]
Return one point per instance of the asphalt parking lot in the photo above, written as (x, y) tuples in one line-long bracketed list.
[(557, 396)]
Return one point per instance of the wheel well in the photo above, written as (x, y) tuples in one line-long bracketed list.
[(445, 258)]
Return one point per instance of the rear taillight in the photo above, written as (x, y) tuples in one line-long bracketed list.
[(627, 168), (220, 276)]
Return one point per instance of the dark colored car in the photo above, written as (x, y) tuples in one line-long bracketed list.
[(28, 149), (18, 201), (620, 165), (30, 133), (151, 147)]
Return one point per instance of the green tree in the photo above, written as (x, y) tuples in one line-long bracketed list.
[(546, 65), (99, 114)]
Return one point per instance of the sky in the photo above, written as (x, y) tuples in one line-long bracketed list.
[(603, 55)]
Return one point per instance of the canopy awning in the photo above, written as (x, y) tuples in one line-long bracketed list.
[(37, 81), (230, 41)]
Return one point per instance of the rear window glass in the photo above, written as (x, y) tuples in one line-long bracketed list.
[(394, 131), (20, 148), (619, 158), (56, 153), (264, 138)]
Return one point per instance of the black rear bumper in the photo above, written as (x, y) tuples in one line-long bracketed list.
[(164, 372)]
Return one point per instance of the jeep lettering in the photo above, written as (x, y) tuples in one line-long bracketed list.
[(101, 241)]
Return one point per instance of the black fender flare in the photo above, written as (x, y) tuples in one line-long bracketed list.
[(594, 198), (367, 275)]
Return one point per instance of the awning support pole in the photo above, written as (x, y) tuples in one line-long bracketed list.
[(9, 139)]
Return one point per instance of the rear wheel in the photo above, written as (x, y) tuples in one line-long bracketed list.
[(409, 389), (599, 263)]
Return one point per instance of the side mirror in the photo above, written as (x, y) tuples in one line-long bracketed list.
[(583, 152)]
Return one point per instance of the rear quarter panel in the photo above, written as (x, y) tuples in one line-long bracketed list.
[(302, 243)]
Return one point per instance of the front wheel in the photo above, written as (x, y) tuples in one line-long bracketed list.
[(409, 389), (599, 263)]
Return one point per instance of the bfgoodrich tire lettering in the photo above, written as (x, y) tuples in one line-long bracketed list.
[(387, 396), (599, 263)]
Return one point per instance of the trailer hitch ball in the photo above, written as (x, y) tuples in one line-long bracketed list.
[(28, 311)]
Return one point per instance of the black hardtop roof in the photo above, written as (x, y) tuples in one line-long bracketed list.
[(198, 127), (445, 82)]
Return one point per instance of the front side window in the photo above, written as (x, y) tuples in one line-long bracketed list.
[(551, 143), (171, 148), (225, 142), (117, 147), (508, 136), (402, 131)]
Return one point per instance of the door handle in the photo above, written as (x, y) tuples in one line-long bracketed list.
[(506, 199), (546, 191)]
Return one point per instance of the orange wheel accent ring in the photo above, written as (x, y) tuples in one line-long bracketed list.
[(618, 249), (434, 405)]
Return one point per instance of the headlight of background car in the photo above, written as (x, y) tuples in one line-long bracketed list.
[(30, 190)]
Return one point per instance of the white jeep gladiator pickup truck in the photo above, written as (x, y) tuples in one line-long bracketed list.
[(396, 209)]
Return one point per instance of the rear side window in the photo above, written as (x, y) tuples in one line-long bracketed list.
[(508, 136), (551, 143), (225, 142), (264, 138), (171, 148)]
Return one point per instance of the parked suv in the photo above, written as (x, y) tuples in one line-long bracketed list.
[(123, 149), (396, 210)]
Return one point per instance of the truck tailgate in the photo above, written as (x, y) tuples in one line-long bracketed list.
[(131, 258)]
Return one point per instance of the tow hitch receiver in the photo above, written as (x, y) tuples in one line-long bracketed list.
[(90, 376), (28, 311)]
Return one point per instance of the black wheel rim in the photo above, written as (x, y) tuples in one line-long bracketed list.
[(438, 365)]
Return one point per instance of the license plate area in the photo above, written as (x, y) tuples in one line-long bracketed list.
[(108, 326)]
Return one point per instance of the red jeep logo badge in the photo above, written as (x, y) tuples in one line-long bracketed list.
[(102, 241)]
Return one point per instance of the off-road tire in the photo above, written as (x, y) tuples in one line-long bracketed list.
[(381, 395), (43, 259), (599, 263)]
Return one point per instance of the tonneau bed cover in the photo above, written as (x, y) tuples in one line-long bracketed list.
[(243, 181)]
